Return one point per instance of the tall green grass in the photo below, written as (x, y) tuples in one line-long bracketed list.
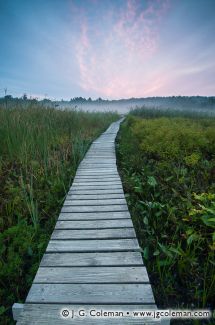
[(40, 150), (156, 112), (168, 170)]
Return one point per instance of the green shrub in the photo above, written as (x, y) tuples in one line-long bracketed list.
[(167, 167)]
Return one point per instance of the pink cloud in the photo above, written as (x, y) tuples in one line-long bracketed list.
[(116, 65)]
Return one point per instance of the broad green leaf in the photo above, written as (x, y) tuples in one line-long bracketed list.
[(152, 181)]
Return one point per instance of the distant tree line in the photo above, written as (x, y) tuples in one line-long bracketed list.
[(167, 102), (85, 100)]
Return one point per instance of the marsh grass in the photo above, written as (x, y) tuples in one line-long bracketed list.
[(168, 169), (40, 150), (156, 112)]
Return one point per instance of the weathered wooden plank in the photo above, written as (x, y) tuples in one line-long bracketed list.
[(98, 163), (50, 314), (93, 215), (96, 178), (88, 157), (111, 168), (107, 274), (94, 224), (107, 139), (102, 146), (92, 159), (93, 191), (91, 293), (97, 166), (98, 155), (97, 245), (96, 173), (100, 159), (96, 187), (98, 208), (92, 259), (100, 152), (103, 183), (99, 172), (94, 202), (94, 196), (94, 234), (110, 145)]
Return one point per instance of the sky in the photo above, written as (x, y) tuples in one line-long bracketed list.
[(107, 48)]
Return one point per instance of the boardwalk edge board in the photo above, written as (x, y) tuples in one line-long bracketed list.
[(93, 259)]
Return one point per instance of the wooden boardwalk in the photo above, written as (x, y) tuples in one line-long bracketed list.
[(93, 259)]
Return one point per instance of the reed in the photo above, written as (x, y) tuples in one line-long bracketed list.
[(40, 150)]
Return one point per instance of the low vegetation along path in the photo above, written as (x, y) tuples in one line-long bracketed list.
[(93, 260)]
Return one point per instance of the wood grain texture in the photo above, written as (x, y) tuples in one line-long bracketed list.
[(95, 202), (92, 259), (91, 293), (96, 208), (93, 215), (98, 196), (107, 274), (94, 234), (96, 173), (103, 183), (83, 179), (94, 224), (97, 187), (99, 171), (96, 191), (97, 245)]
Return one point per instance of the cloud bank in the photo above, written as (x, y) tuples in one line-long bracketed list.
[(113, 54)]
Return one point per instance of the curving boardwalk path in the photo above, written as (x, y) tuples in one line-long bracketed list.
[(93, 260)]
